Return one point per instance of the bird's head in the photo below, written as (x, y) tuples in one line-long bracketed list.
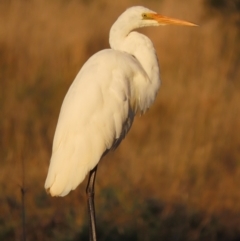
[(138, 17), (142, 17)]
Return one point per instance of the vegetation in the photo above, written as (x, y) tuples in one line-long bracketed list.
[(176, 175), (224, 5)]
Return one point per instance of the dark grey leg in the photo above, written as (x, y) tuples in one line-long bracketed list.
[(91, 207)]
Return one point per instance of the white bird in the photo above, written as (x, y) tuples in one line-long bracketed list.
[(99, 107)]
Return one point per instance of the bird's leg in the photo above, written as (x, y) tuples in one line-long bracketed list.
[(91, 208)]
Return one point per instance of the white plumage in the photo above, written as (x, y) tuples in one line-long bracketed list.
[(99, 107)]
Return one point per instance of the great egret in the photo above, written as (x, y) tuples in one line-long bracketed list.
[(99, 107)]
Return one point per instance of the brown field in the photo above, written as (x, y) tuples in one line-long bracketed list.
[(177, 174)]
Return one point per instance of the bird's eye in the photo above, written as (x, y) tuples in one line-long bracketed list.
[(144, 15)]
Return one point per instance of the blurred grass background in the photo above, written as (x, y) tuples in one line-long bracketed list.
[(177, 174)]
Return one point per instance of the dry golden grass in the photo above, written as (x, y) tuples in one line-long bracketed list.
[(184, 151)]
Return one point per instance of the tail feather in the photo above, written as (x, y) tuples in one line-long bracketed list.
[(68, 169)]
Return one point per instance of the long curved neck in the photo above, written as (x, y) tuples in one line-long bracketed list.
[(140, 46)]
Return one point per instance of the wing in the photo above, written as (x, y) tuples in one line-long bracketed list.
[(96, 114)]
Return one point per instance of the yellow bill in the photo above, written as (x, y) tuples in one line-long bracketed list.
[(163, 20)]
